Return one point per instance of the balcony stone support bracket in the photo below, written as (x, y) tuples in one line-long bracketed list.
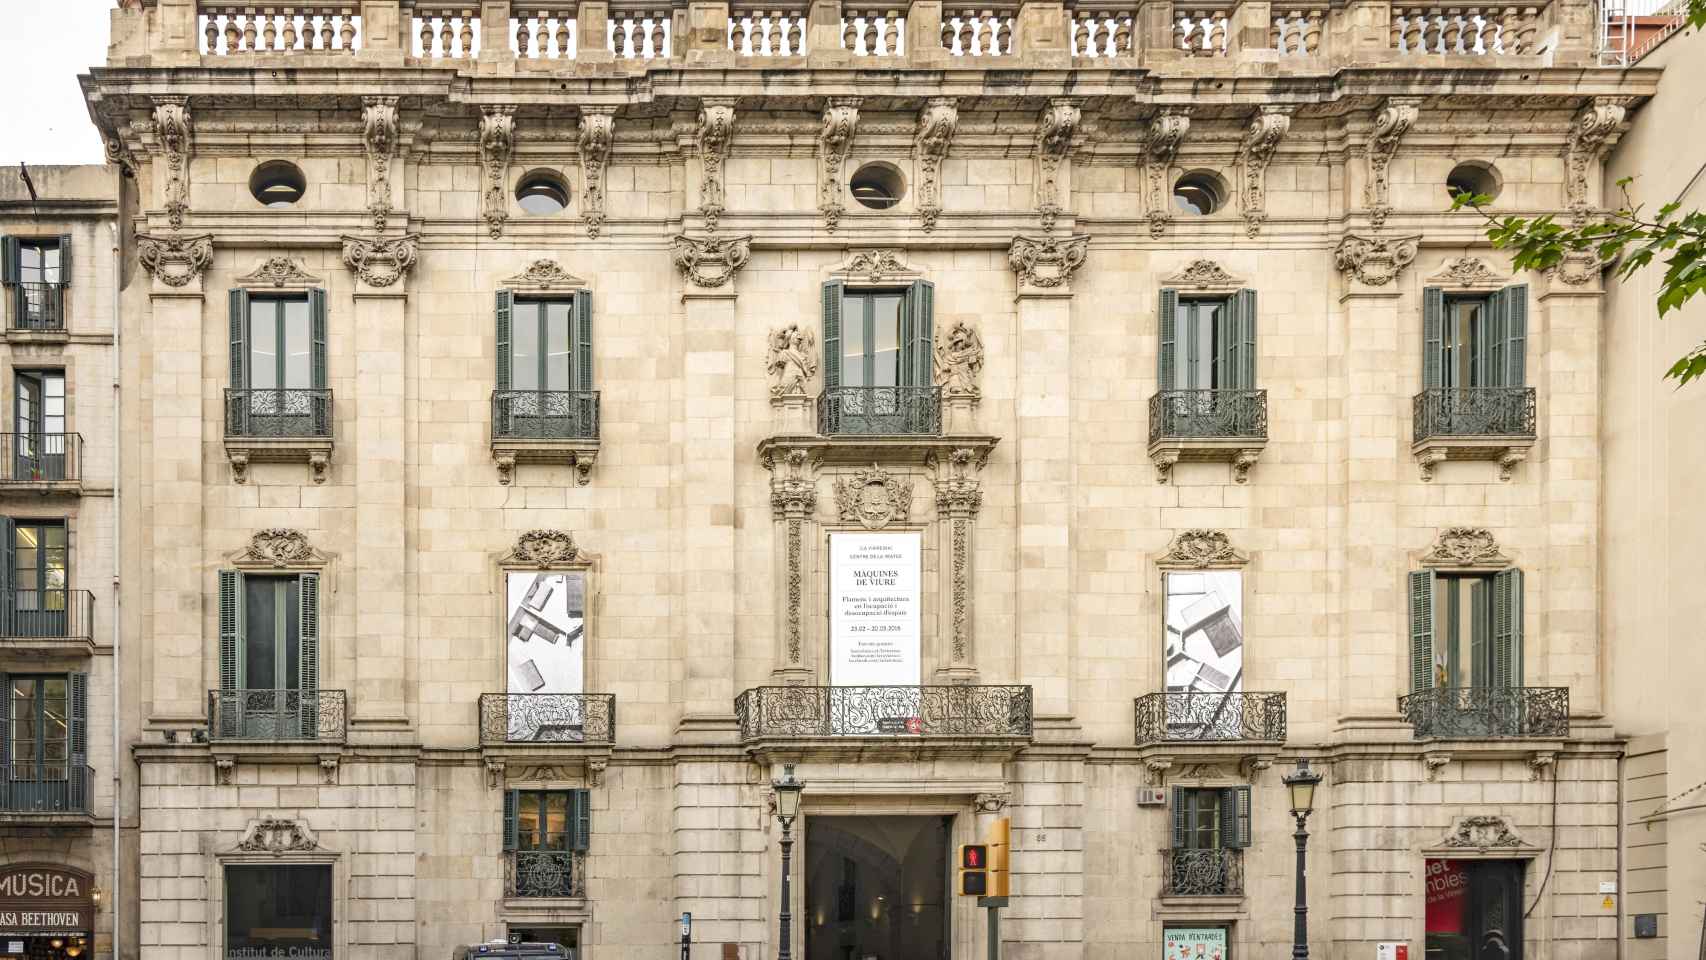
[(959, 497), (176, 262), (835, 139), (1165, 133)]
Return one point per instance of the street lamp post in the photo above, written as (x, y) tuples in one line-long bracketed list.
[(1301, 782), (787, 808)]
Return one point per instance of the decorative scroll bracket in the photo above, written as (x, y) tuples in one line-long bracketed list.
[(716, 135), (936, 124), (597, 130), (834, 140), (1059, 121), (1261, 140), (1167, 130), (497, 136), (1396, 116)]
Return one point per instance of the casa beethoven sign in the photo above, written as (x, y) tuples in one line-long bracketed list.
[(43, 900)]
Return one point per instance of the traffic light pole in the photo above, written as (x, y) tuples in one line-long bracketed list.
[(993, 905)]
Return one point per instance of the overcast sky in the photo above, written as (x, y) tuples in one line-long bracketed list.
[(44, 46)]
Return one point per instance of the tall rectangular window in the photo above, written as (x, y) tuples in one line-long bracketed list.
[(1473, 341), (272, 642), (38, 441), (41, 726), (1207, 343), (37, 573), (542, 348), (37, 269), (871, 338), (1466, 629), (281, 344)]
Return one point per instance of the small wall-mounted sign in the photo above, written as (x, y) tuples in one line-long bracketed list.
[(1391, 950), (1608, 886), (1646, 926)]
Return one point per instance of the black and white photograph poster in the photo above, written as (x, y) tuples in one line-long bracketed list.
[(1205, 631), (547, 632)]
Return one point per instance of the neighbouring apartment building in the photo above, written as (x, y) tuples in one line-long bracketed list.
[(551, 422)]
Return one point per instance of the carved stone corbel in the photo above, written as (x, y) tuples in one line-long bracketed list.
[(710, 262), (224, 770), (1242, 461), (380, 261), (319, 462), (239, 465), (1375, 261), (1164, 461), (936, 124), (118, 152), (497, 135), (598, 128), (1426, 461), (1593, 132), (1046, 263), (1396, 116), (329, 769), (1261, 140), (172, 132), (1158, 767), (833, 142), (506, 467), (1432, 762), (379, 135), (992, 802), (174, 259), (1166, 131), (1059, 121), (494, 773), (595, 767), (716, 134), (1539, 762)]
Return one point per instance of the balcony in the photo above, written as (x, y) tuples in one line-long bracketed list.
[(41, 462), (276, 716), (550, 718), (1228, 426), (965, 712), (47, 621), (278, 425), (33, 791), (1473, 423), (531, 874), (38, 308), (880, 412), (1488, 713), (1202, 873), (545, 426), (1210, 718)]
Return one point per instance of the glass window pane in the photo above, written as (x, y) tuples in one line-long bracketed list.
[(524, 347), (29, 402), (263, 344), (885, 336), (298, 346), (853, 339), (527, 821), (53, 403), (557, 347), (50, 265), (556, 820), (260, 606), (30, 259)]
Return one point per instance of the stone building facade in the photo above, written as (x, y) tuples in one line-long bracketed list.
[(1071, 317)]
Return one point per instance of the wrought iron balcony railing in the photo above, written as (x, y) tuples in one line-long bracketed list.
[(880, 411), (545, 415), (933, 711), (1202, 873), (1474, 412), (1208, 415), (547, 718), (276, 715), (278, 414), (45, 786), (40, 457), (545, 873), (47, 614), (1204, 717), (38, 307), (1472, 713)]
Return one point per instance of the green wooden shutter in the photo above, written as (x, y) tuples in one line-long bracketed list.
[(580, 325), (230, 627), (65, 259), (9, 559), (1167, 328), (1223, 373), (308, 628), (11, 267), (1241, 796), (580, 819), (1246, 334), (317, 334), (1507, 628), (1181, 817), (504, 311), (512, 800), (1421, 630), (1490, 339), (78, 719), (5, 726), (832, 294), (918, 317), (1235, 816), (1480, 630), (239, 339), (1516, 335), (1433, 337)]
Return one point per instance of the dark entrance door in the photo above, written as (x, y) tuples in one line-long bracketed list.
[(876, 888), (1474, 909)]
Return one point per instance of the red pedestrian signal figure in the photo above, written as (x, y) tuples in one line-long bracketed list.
[(974, 862)]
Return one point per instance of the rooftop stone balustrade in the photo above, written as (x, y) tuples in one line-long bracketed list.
[(1085, 34)]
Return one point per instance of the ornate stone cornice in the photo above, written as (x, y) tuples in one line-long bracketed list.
[(1592, 132), (175, 260), (710, 262), (1200, 550), (1471, 547), (1393, 120), (1055, 128), (278, 272), (380, 261), (1203, 274), (276, 836), (597, 130), (379, 135), (172, 132), (959, 360), (1375, 261), (716, 134), (544, 550), (1262, 138), (279, 548), (1047, 262), (544, 274), (840, 118), (791, 360), (497, 135), (873, 498), (1166, 131), (1469, 273), (936, 124)]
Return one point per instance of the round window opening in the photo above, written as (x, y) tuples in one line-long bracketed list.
[(1472, 179), (542, 192), (277, 183), (877, 185), (1198, 194)]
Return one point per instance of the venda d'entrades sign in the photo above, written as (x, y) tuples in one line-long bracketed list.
[(45, 900)]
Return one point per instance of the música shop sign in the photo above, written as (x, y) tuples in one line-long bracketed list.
[(45, 900)]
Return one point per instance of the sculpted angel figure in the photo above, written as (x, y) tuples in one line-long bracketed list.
[(959, 360), (792, 360)]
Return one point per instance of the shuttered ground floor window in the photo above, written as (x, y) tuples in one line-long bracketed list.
[(278, 912)]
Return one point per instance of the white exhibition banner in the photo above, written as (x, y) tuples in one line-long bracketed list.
[(875, 609)]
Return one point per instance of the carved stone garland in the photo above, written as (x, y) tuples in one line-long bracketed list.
[(959, 361), (873, 498), (834, 140), (1467, 273), (1047, 262), (875, 265), (379, 134), (716, 133), (1201, 549), (545, 549), (936, 123), (1203, 274), (1482, 833), (172, 132), (1390, 125), (497, 136), (793, 499), (597, 129), (1260, 141), (713, 261), (1375, 261), (1055, 128), (1166, 131), (278, 272), (381, 261), (791, 360), (174, 259), (1474, 547), (544, 274), (279, 548), (277, 836)]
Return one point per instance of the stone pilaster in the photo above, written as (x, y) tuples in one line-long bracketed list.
[(959, 496), (793, 504)]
